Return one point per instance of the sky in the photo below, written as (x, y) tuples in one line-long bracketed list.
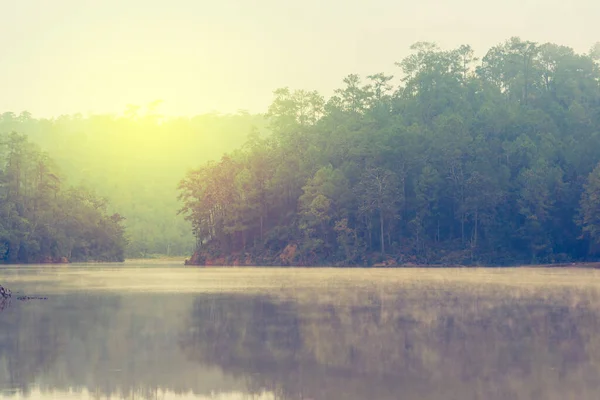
[(96, 56)]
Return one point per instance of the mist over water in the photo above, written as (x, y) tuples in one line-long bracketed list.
[(300, 334)]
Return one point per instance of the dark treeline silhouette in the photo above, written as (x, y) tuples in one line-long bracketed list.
[(493, 161), (43, 221), (493, 343)]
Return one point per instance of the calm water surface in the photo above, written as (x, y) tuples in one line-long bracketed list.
[(167, 332)]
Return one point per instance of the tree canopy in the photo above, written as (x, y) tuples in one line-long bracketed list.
[(135, 160), (464, 161), (41, 220)]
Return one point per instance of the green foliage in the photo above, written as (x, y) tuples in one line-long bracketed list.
[(590, 208), (42, 222), (460, 163), (135, 161)]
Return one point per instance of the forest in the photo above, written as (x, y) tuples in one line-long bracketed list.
[(462, 161), (455, 160), (41, 221), (134, 161)]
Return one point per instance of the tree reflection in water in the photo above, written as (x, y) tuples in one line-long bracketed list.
[(442, 345), (395, 343)]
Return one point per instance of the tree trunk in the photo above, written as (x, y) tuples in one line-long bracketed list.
[(418, 230), (369, 231), (462, 228), (476, 223), (381, 229), (261, 228)]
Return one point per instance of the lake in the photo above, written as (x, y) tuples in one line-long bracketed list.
[(167, 332)]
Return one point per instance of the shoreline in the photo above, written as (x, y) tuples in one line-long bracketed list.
[(183, 262), (576, 265)]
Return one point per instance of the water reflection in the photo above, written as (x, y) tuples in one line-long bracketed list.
[(446, 346), (4, 303), (409, 342)]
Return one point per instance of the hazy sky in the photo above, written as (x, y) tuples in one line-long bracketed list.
[(66, 56)]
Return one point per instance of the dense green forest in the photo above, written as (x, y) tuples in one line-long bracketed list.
[(458, 160), (490, 161), (40, 221), (135, 160)]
